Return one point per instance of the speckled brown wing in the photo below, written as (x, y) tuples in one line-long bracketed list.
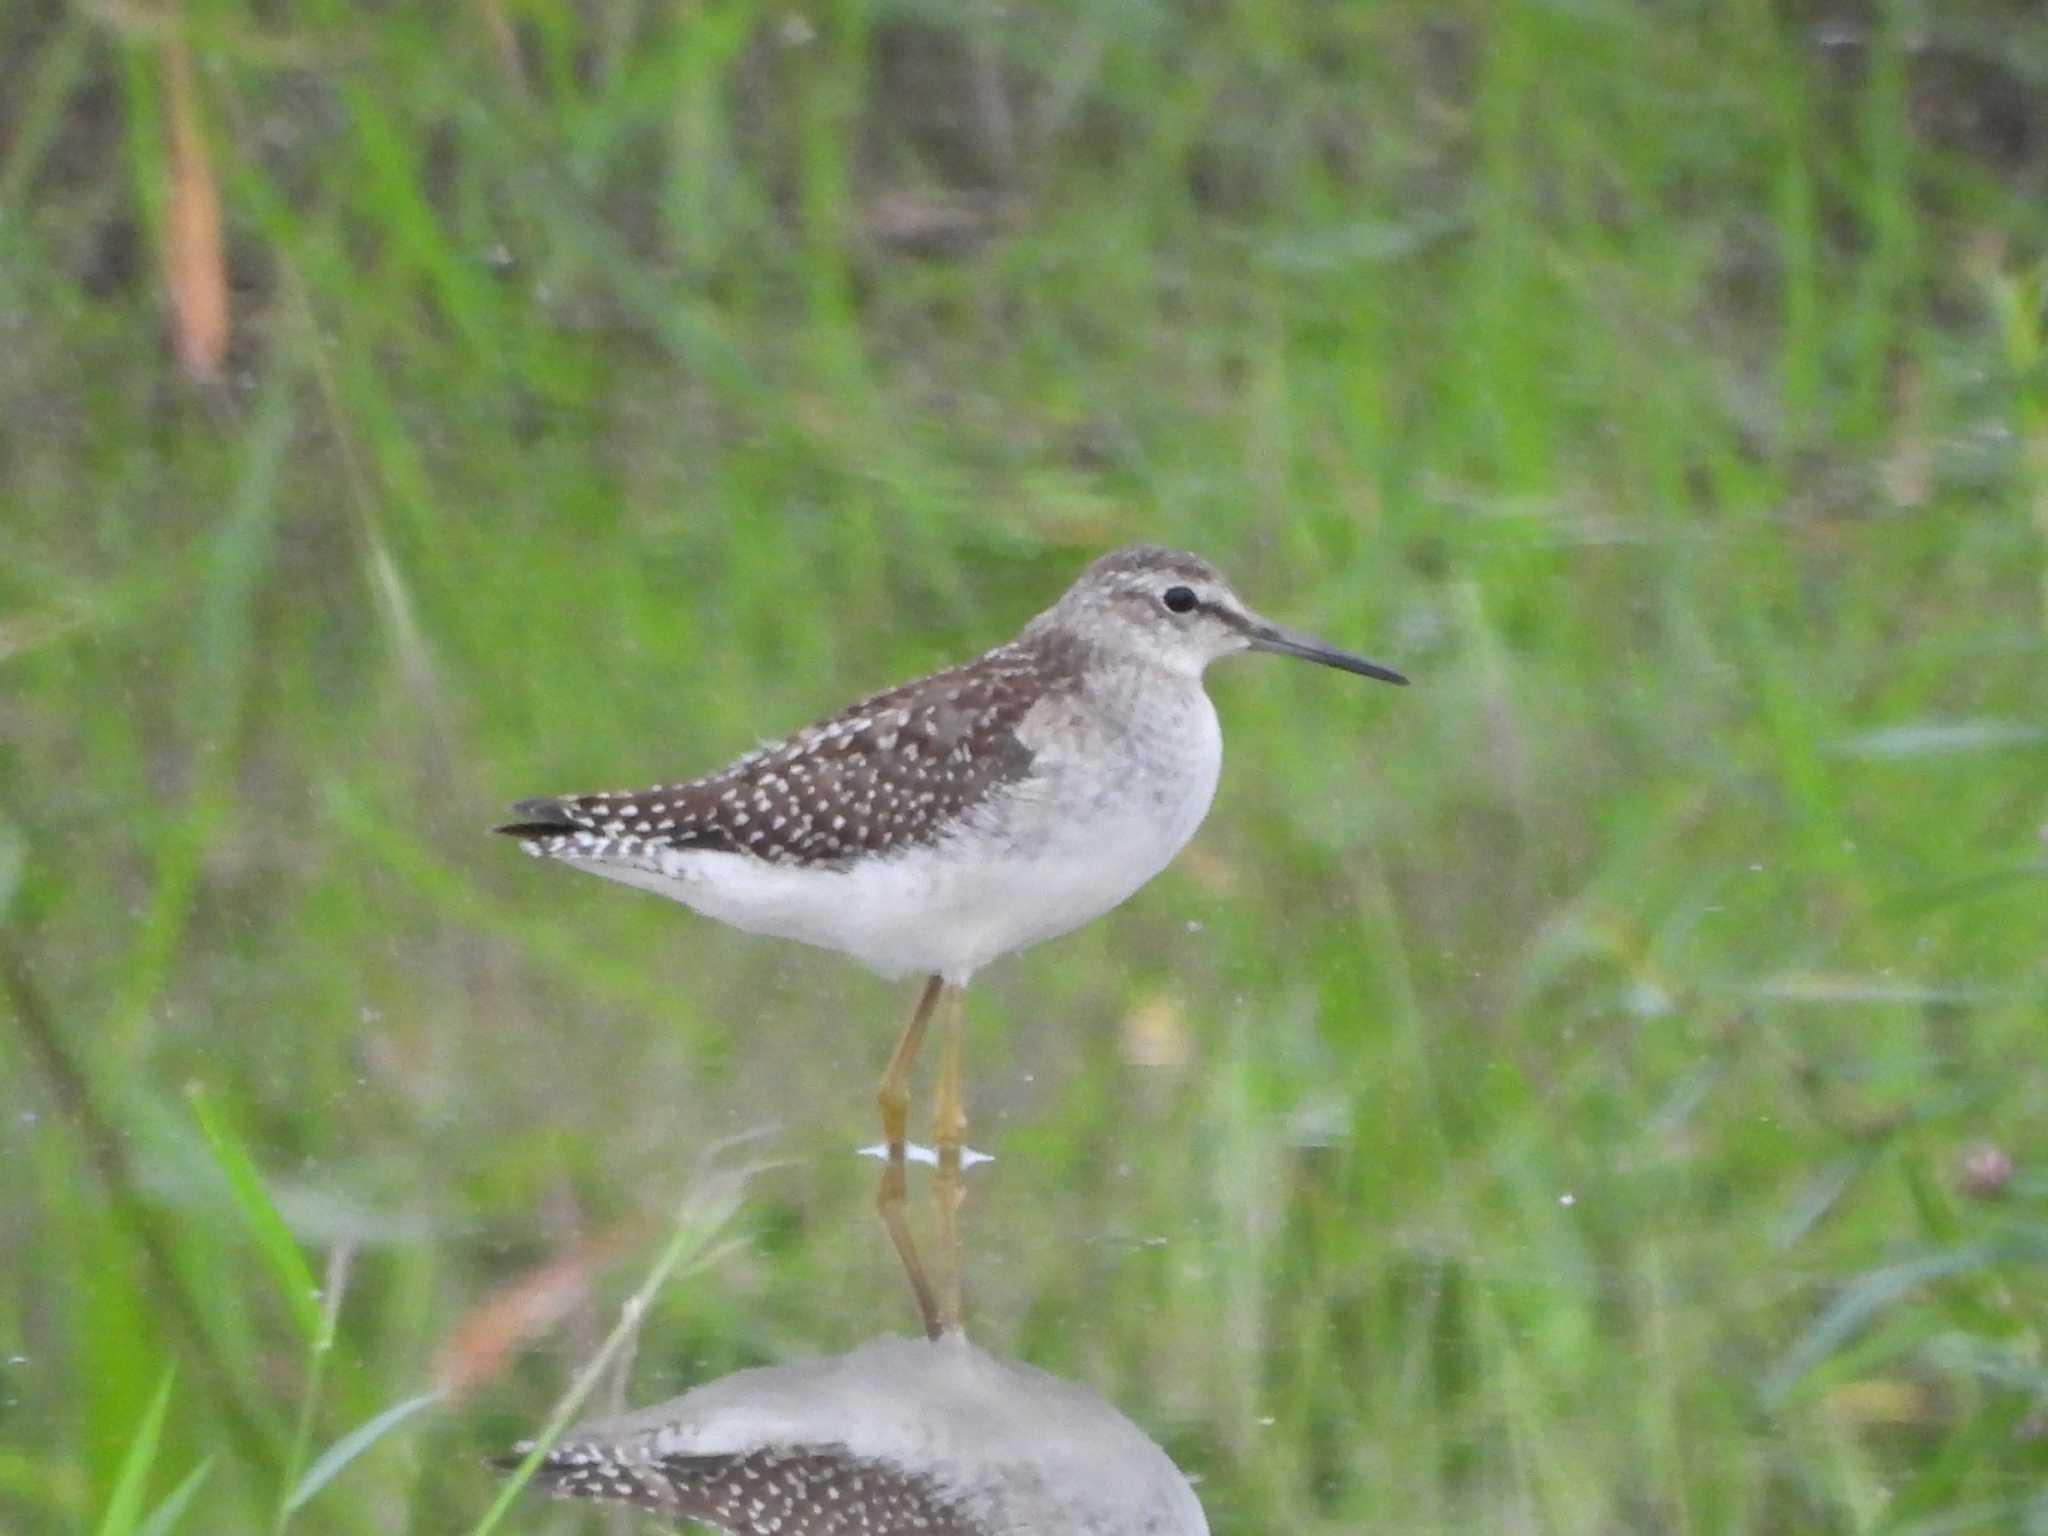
[(795, 1491), (807, 1492), (895, 770)]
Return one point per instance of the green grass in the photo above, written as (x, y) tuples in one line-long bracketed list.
[(1566, 1068)]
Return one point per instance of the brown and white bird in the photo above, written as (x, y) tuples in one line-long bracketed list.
[(938, 825), (899, 1437)]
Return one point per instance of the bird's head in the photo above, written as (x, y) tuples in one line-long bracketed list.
[(1174, 609)]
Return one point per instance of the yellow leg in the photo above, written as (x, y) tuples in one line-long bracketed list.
[(949, 1135), (894, 1098), (889, 1206), (894, 1093)]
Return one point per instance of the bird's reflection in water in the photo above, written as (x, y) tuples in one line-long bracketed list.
[(896, 1437), (936, 1437)]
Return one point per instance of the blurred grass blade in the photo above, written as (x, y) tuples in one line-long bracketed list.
[(351, 1445), (332, 1291), (125, 1503), (1943, 1475), (11, 861), (194, 268), (1859, 1304), (274, 1240), (45, 93), (1941, 738), (163, 1520), (703, 1216)]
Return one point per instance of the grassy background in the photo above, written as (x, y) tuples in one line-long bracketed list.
[(1600, 1089)]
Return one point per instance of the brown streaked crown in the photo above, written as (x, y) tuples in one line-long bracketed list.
[(1144, 561)]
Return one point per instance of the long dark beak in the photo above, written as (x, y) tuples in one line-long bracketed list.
[(1292, 642)]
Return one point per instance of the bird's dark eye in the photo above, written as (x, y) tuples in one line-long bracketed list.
[(1178, 599)]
